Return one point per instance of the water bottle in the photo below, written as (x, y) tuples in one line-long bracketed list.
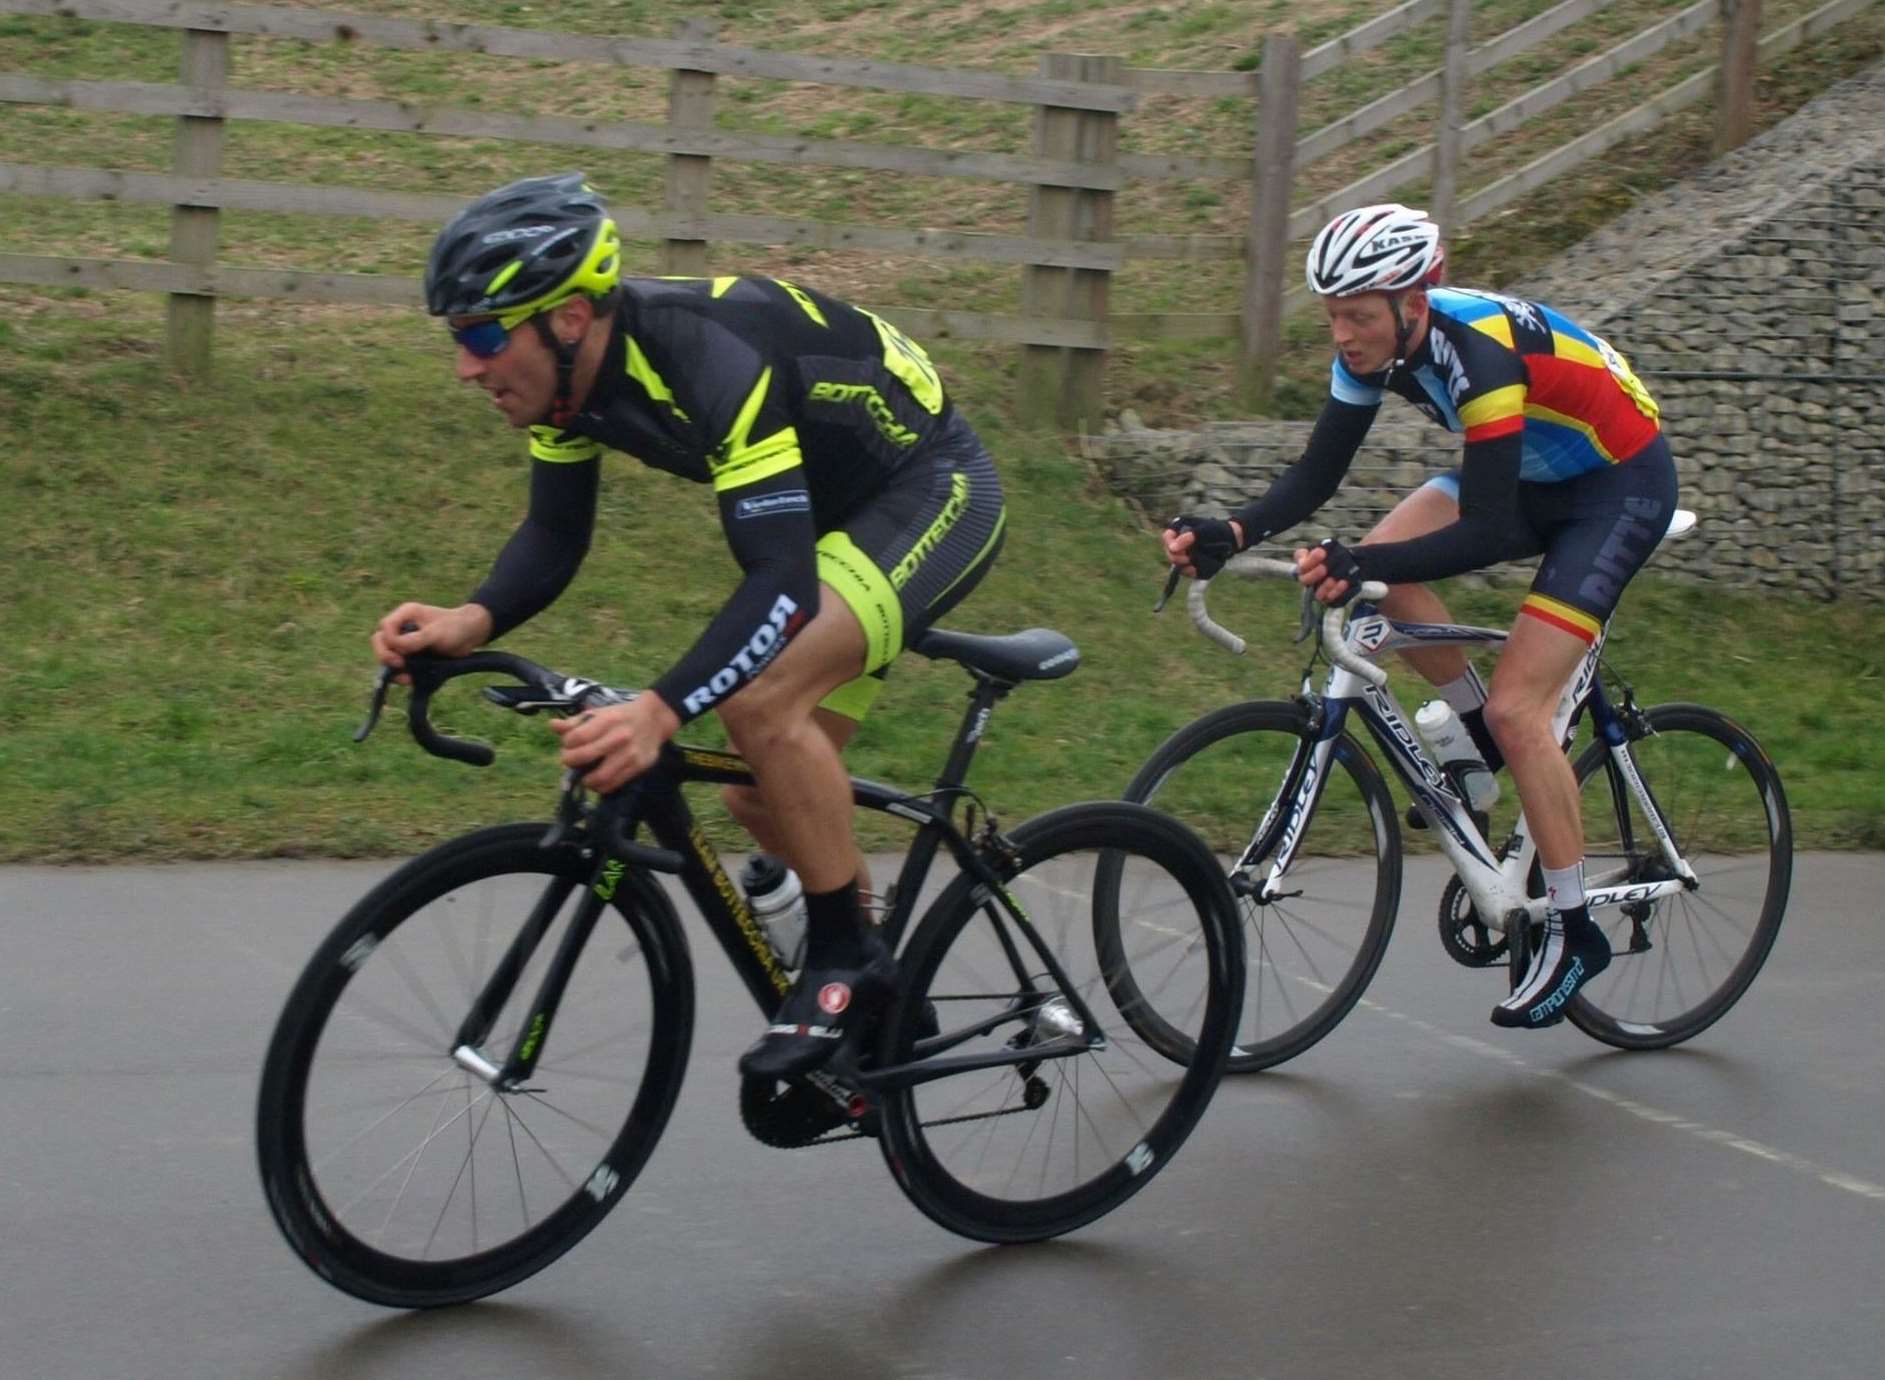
[(1453, 746), (778, 901)]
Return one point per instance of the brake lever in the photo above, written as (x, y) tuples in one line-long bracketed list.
[(381, 685), (1171, 583), (1311, 617)]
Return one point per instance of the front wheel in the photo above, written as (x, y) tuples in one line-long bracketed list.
[(406, 1178), (1234, 777), (1056, 1110), (1680, 962)]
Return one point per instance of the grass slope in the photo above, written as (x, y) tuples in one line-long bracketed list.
[(190, 571), (191, 575)]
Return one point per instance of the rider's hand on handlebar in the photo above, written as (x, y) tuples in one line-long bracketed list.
[(1199, 546), (413, 628), (1330, 570), (613, 745)]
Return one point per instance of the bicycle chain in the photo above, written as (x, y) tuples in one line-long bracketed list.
[(798, 1117)]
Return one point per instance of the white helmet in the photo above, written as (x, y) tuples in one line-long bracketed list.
[(1376, 249)]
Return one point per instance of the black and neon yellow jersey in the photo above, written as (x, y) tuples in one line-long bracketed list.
[(729, 381), (795, 407)]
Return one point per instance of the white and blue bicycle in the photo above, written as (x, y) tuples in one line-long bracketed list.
[(1689, 845)]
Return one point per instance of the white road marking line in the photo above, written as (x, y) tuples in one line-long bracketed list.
[(1786, 1159)]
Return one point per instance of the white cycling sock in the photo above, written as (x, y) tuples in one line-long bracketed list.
[(1564, 886)]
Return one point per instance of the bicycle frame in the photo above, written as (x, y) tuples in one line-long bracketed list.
[(1356, 685), (656, 801)]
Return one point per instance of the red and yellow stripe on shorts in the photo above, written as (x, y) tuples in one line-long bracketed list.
[(1561, 615)]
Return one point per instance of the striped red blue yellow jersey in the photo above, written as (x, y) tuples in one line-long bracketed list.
[(1491, 365)]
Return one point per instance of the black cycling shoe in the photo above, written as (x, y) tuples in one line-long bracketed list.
[(823, 1005), (1573, 952)]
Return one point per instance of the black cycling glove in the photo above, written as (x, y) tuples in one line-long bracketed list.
[(1342, 565), (1214, 541)]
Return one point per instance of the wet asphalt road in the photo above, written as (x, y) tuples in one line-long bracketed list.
[(1419, 1195)]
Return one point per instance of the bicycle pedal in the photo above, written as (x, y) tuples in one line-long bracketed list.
[(862, 1109)]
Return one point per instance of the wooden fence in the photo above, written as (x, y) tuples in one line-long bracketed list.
[(1073, 171)]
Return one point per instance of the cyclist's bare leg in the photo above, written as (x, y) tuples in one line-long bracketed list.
[(1425, 510), (748, 806), (1537, 660), (806, 794), (801, 782), (1533, 666)]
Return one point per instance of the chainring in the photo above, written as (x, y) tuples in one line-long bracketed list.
[(1468, 940), (788, 1115)]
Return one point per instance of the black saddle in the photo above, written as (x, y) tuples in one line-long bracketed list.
[(1037, 654)]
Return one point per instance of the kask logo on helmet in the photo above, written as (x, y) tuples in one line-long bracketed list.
[(522, 232)]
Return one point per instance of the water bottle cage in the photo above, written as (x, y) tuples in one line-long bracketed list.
[(1459, 773)]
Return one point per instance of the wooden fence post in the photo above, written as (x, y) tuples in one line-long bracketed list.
[(190, 317), (1266, 246), (1446, 157), (1740, 40), (1065, 386), (690, 107)]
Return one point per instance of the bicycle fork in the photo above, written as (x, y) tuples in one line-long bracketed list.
[(1286, 820), (468, 1050)]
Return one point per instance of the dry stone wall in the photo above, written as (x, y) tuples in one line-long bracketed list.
[(1751, 299)]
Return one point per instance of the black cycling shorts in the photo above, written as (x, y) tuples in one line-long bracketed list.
[(1594, 531), (910, 552)]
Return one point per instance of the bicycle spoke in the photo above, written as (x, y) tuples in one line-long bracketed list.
[(467, 1165), (1704, 945), (371, 1127), (1112, 996), (410, 1162)]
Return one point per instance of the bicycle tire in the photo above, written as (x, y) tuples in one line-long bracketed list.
[(982, 976), (1725, 806), (1326, 936), (359, 1077)]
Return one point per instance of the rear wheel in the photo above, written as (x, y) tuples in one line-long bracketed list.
[(408, 1179), (1681, 961), (1070, 1111)]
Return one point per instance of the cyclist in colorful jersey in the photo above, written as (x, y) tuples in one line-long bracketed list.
[(858, 503), (1563, 458)]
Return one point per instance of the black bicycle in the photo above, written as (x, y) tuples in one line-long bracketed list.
[(479, 1059)]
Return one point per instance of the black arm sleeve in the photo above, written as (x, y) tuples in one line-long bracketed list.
[(1491, 527), (547, 549), (1312, 481), (770, 530)]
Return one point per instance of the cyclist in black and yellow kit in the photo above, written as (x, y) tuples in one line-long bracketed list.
[(1563, 458), (859, 506)]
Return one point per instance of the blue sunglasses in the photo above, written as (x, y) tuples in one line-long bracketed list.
[(482, 338)]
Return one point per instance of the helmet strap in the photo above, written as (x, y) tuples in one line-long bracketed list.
[(1402, 330), (563, 409)]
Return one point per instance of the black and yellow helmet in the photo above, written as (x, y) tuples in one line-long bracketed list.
[(522, 249)]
